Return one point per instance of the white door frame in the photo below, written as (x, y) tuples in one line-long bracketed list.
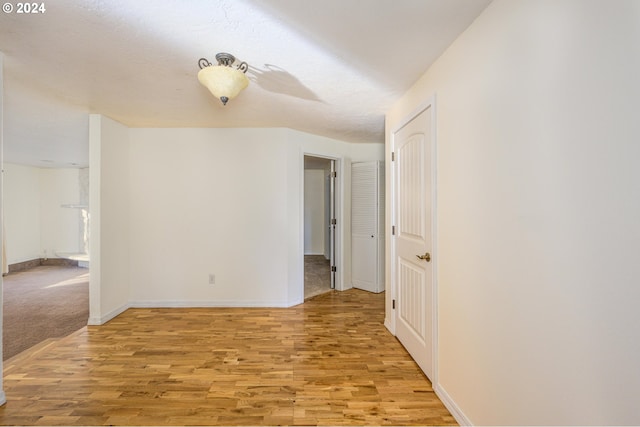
[(333, 214), (340, 278), (429, 103)]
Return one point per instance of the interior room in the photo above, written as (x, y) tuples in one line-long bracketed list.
[(45, 257), (505, 134)]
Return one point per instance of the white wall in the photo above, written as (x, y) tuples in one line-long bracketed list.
[(35, 223), (208, 201), (21, 205), (314, 212), (366, 152), (538, 205), (110, 223), (60, 227), (226, 202)]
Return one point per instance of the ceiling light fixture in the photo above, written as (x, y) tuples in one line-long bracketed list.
[(222, 80)]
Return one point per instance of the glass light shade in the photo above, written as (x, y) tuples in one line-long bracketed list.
[(223, 82)]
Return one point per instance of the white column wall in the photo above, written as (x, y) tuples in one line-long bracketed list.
[(110, 223), (538, 205)]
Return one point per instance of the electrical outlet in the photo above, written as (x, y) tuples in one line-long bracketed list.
[(212, 279)]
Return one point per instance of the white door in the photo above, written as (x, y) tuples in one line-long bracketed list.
[(364, 226), (413, 269)]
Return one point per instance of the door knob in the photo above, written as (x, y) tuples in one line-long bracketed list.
[(426, 256)]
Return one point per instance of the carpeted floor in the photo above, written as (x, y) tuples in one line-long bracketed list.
[(41, 303), (317, 275)]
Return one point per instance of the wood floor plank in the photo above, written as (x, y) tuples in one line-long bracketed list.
[(329, 361)]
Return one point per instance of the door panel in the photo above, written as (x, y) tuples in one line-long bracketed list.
[(414, 276), (364, 225), (412, 293), (411, 188), (363, 273)]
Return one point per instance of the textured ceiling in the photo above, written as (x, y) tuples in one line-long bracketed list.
[(328, 67)]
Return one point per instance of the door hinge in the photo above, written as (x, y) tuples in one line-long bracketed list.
[(393, 230), (334, 269), (393, 304), (334, 221), (393, 156), (334, 174)]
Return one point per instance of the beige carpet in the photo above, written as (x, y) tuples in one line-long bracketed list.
[(41, 303), (317, 275)]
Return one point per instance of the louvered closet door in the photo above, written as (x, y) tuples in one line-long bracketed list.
[(364, 225)]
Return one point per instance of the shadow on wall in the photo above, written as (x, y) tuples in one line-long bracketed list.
[(278, 80)]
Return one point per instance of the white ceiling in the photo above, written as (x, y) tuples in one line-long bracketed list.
[(327, 67)]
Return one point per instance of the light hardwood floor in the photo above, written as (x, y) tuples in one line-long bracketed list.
[(329, 361)]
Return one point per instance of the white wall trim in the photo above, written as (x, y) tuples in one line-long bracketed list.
[(3, 398), (431, 101), (98, 321), (213, 304), (451, 405)]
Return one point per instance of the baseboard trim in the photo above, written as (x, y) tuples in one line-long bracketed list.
[(210, 304), (24, 265), (3, 398), (98, 321), (37, 262), (60, 262), (294, 303), (452, 406)]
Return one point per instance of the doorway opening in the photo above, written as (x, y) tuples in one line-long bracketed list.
[(320, 261), (45, 254)]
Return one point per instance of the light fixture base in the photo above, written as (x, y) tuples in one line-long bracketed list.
[(225, 59)]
